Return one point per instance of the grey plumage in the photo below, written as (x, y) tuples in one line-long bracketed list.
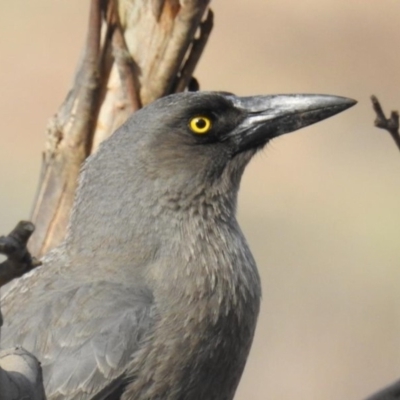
[(154, 294)]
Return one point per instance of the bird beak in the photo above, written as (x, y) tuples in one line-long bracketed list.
[(267, 117)]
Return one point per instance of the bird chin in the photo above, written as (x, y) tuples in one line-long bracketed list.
[(243, 157)]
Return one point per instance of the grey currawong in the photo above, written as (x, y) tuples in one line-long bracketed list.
[(154, 294)]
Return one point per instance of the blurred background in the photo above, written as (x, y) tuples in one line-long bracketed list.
[(320, 207)]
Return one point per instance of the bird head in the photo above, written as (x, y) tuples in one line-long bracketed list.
[(213, 135)]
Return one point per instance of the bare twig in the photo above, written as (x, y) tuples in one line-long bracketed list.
[(196, 51), (19, 261), (389, 124)]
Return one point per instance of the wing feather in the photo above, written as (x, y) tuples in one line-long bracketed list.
[(84, 334)]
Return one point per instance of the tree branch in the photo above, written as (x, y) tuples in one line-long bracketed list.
[(389, 124), (69, 138), (196, 51)]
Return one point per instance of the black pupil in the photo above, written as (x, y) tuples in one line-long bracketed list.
[(201, 123)]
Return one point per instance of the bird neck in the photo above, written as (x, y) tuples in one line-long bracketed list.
[(127, 220), (207, 260), (131, 216)]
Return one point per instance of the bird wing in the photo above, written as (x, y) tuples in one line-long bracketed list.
[(84, 334)]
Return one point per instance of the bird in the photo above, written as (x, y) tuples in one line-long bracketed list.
[(154, 294)]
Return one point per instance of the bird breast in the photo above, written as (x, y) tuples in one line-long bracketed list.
[(208, 304)]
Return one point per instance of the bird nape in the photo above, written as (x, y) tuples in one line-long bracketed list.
[(154, 293)]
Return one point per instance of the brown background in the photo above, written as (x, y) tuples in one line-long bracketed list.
[(321, 207)]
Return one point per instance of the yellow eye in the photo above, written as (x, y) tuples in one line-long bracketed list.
[(200, 125)]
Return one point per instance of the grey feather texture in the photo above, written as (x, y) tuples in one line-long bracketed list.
[(155, 294)]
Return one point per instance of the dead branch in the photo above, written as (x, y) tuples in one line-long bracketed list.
[(68, 144), (196, 51), (389, 124)]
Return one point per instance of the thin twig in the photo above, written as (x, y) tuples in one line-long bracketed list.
[(93, 35), (196, 50), (389, 124)]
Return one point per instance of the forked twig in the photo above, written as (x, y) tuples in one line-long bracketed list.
[(389, 124)]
